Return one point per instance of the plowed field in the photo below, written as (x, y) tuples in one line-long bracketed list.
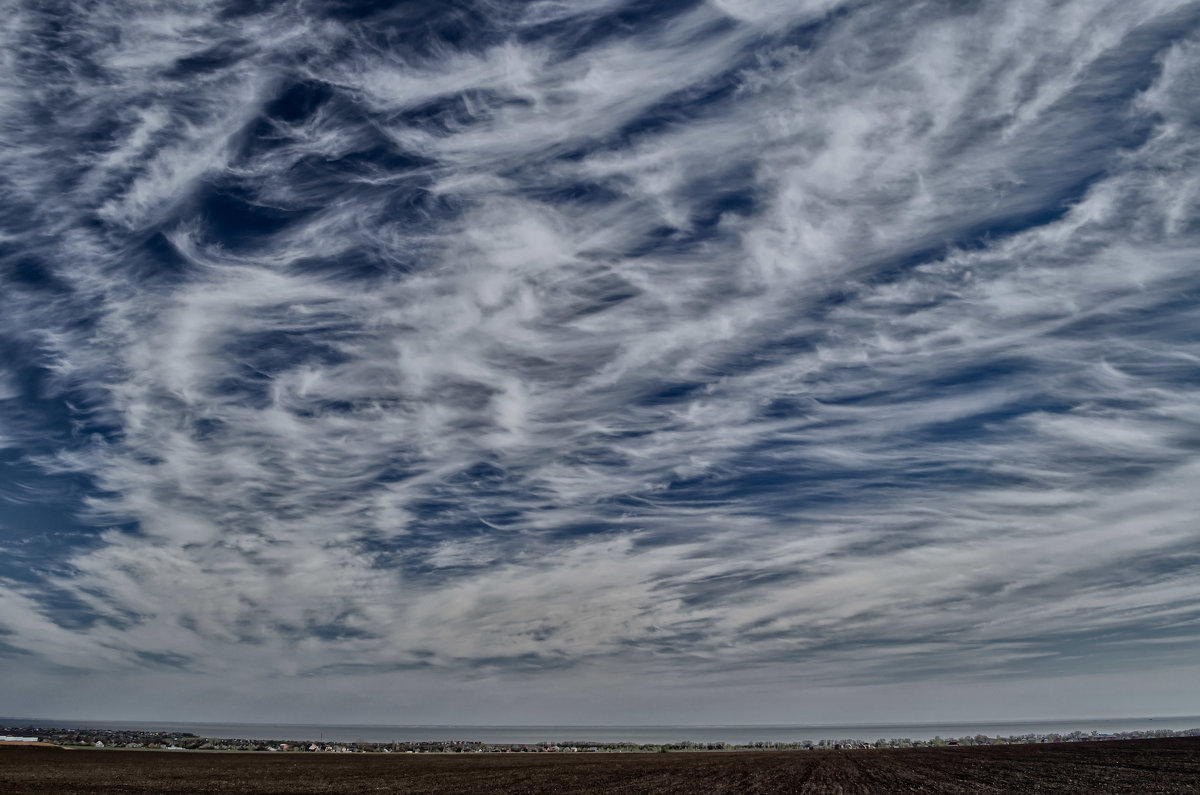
[(1132, 766)]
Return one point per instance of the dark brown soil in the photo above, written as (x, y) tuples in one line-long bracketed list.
[(1133, 766)]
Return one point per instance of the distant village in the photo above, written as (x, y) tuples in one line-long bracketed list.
[(184, 741)]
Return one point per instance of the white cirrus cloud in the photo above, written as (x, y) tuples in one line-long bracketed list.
[(842, 344)]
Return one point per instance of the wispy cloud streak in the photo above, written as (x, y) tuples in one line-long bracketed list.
[(840, 341)]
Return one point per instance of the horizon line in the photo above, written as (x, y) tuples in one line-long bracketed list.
[(606, 725)]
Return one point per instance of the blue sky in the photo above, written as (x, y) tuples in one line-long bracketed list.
[(599, 361)]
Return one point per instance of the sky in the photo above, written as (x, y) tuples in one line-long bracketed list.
[(599, 361)]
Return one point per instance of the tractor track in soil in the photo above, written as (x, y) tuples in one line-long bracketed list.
[(1164, 766)]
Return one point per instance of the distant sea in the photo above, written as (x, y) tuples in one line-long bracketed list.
[(738, 735)]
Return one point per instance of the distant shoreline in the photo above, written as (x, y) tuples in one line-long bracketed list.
[(135, 739)]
